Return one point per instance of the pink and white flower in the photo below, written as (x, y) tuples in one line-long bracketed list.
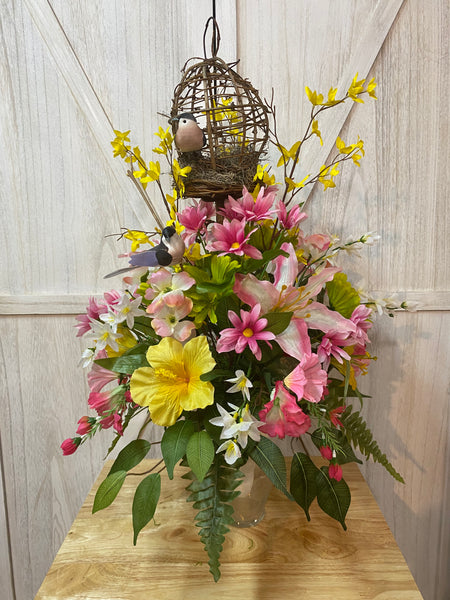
[(98, 377), (164, 282), (246, 331), (308, 379), (168, 313), (282, 415)]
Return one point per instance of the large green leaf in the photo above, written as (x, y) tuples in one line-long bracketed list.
[(200, 453), (270, 459), (303, 481), (145, 501), (130, 456), (211, 497), (108, 490), (174, 442), (342, 296), (278, 321), (127, 363), (333, 496)]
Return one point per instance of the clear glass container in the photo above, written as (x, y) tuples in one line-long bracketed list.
[(255, 488)]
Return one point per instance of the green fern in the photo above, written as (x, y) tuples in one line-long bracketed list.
[(211, 498), (360, 436)]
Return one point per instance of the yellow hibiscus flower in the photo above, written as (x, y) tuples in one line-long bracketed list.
[(172, 383)]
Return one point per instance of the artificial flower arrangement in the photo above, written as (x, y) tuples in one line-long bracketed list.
[(253, 334)]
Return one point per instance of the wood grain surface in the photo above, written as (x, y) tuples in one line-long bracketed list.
[(283, 557), (68, 71)]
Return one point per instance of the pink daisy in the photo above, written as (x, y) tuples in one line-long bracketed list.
[(249, 208), (230, 238), (246, 331)]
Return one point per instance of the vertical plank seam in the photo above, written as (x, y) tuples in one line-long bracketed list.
[(8, 529)]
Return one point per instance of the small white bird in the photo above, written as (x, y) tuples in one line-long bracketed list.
[(168, 252), (188, 137)]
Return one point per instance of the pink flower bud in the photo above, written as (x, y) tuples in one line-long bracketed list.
[(326, 452), (70, 445), (84, 426), (335, 472)]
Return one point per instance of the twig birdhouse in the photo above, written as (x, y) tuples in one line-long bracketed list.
[(233, 117)]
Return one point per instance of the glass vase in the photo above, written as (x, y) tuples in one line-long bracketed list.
[(255, 488)]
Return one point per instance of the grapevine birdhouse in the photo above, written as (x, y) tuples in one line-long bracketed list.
[(234, 119)]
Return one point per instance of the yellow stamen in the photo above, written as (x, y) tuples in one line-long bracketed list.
[(165, 373), (235, 245), (247, 332)]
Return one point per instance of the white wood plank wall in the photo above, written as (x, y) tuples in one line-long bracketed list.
[(68, 71)]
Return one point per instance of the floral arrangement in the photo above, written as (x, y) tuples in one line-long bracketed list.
[(254, 334)]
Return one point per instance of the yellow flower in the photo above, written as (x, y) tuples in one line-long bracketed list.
[(314, 97), (316, 131), (371, 88), (293, 184), (137, 238), (356, 88), (118, 144), (287, 155), (166, 138), (172, 383)]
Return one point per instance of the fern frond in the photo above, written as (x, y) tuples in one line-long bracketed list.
[(360, 436), (211, 497)]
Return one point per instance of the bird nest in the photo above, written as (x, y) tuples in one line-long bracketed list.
[(235, 120)]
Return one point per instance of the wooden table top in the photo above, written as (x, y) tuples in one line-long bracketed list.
[(281, 558)]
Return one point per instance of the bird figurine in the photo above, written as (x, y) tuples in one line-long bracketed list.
[(189, 137), (168, 252)]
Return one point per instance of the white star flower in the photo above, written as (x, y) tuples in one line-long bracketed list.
[(241, 384)]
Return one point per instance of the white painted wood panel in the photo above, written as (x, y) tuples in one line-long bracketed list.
[(6, 576), (66, 72), (70, 69), (401, 192)]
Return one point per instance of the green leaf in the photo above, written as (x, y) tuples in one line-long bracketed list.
[(333, 496), (200, 453), (358, 433), (342, 296), (215, 374), (130, 456), (252, 265), (108, 490), (211, 497), (174, 442), (303, 481), (270, 459), (123, 364), (278, 321), (145, 501)]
